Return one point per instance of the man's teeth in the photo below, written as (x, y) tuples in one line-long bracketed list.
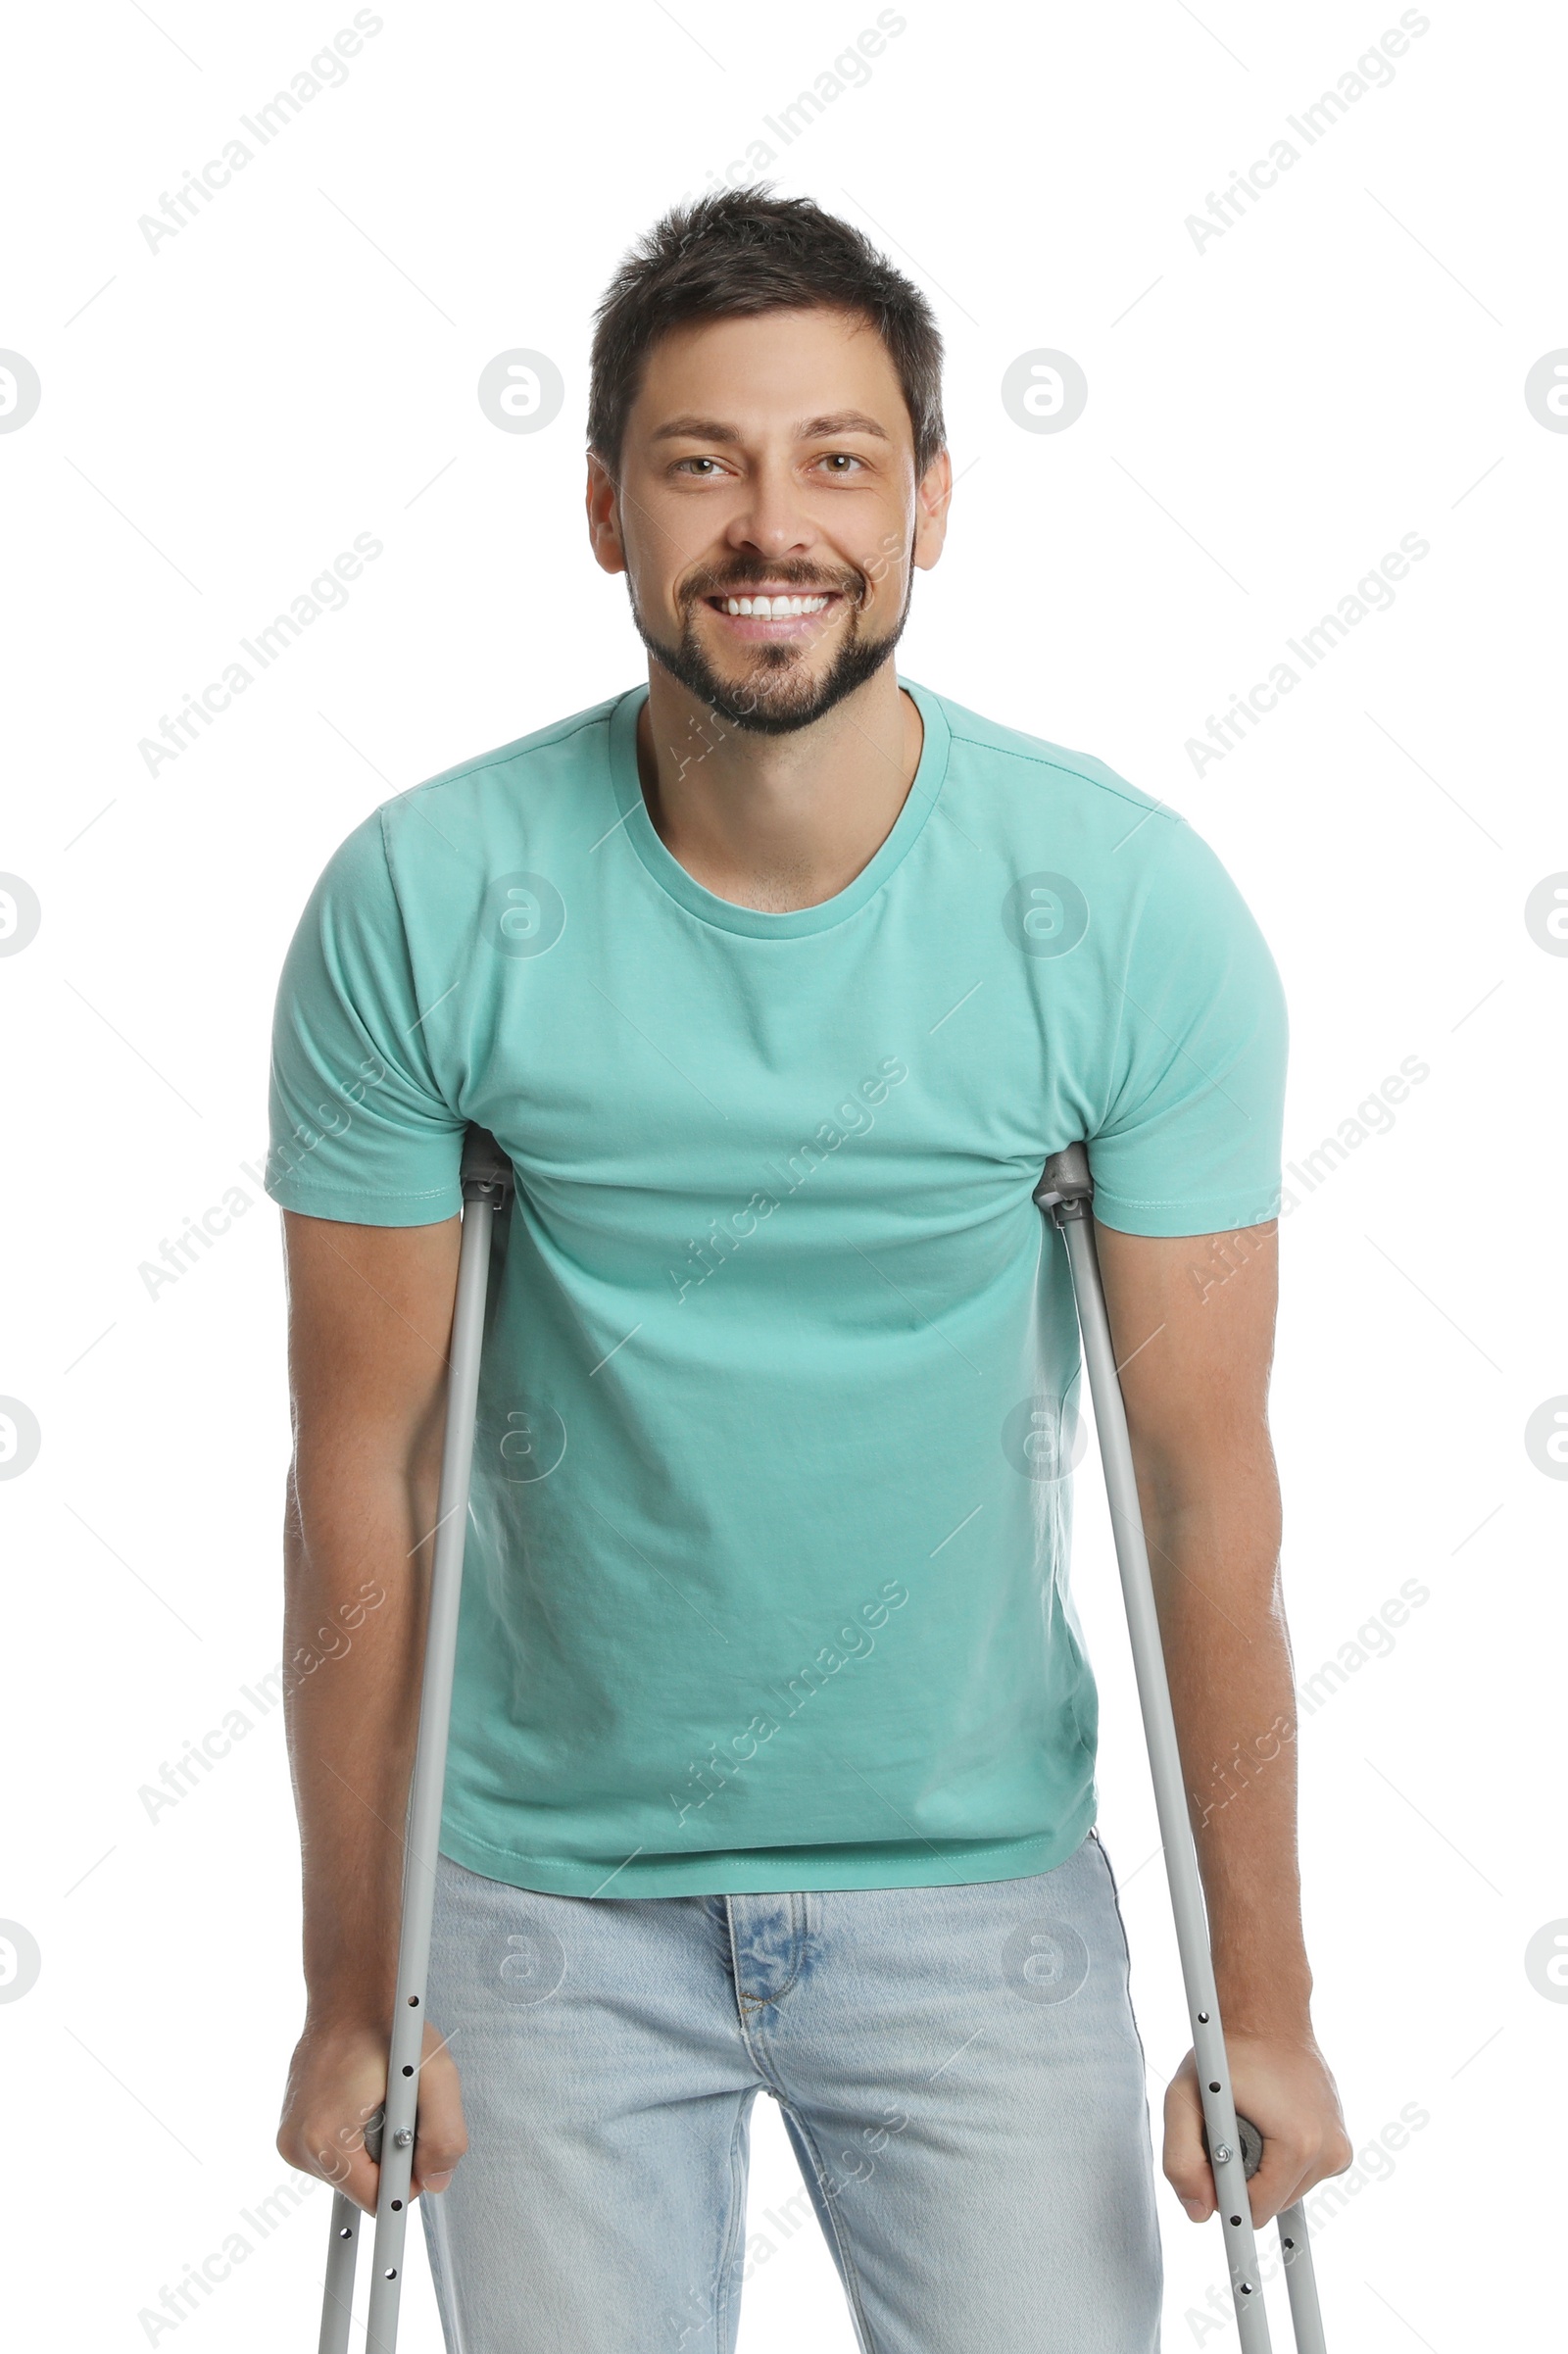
[(773, 608)]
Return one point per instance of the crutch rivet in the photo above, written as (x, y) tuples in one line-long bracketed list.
[(1222, 2154), (402, 2137)]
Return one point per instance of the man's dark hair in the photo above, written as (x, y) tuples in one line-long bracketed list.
[(743, 250)]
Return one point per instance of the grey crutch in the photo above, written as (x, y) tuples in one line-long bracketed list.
[(1064, 1194), (488, 1183)]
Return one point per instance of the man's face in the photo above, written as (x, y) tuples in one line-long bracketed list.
[(770, 456)]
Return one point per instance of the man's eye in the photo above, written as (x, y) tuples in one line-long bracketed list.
[(837, 458), (683, 461)]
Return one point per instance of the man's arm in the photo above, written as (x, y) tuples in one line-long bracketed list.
[(1192, 1320), (369, 1324)]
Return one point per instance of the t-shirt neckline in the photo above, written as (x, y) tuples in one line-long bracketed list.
[(757, 922)]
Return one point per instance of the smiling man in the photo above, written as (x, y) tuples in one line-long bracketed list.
[(773, 1749)]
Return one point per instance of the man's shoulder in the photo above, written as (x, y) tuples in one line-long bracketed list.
[(560, 745), (995, 755), (511, 804)]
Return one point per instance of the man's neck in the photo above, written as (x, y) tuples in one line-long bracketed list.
[(777, 822)]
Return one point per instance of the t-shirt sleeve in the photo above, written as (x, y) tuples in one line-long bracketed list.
[(359, 1127), (1191, 1138)]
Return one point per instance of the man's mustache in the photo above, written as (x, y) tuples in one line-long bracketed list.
[(851, 589)]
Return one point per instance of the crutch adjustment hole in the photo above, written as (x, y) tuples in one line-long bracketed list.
[(347, 2231), (1246, 2288), (413, 2002), (1213, 2087), (1235, 2219), (390, 2275), (1203, 2019), (397, 2206), (1288, 2243), (408, 2072)]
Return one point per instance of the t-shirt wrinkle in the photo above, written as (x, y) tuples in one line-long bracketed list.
[(765, 1578), (416, 1077)]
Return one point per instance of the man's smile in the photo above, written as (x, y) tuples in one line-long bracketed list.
[(769, 616)]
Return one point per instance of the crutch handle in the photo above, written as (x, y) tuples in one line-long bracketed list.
[(1251, 2140), (1066, 1188), (484, 1164)]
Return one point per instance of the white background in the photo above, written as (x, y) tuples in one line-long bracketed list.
[(1266, 417)]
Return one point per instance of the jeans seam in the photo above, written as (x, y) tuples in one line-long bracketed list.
[(852, 2278), (1127, 1951), (444, 2276), (734, 2232)]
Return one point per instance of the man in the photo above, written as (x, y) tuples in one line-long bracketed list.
[(773, 1749)]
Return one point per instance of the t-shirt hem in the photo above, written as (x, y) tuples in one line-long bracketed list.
[(362, 1209), (766, 1871), (1217, 1214)]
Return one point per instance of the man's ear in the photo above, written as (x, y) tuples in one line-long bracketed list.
[(603, 503), (931, 499)]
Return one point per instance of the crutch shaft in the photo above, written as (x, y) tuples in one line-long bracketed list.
[(486, 1184), (407, 2039), (1300, 2281), (1170, 1798), (1064, 1193), (337, 2299)]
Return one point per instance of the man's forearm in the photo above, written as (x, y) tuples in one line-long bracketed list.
[(353, 1616), (1213, 1560)]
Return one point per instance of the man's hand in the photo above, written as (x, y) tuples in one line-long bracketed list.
[(336, 2083), (1284, 2086)]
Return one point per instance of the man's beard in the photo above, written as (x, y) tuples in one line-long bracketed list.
[(779, 694)]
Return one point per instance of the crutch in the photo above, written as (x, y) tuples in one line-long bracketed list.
[(1235, 2145), (488, 1183)]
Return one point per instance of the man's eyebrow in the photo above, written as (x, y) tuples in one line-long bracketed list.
[(708, 429)]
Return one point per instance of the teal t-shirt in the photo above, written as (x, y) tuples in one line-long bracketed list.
[(766, 1584)]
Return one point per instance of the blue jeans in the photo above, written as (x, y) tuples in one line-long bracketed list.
[(958, 2069)]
